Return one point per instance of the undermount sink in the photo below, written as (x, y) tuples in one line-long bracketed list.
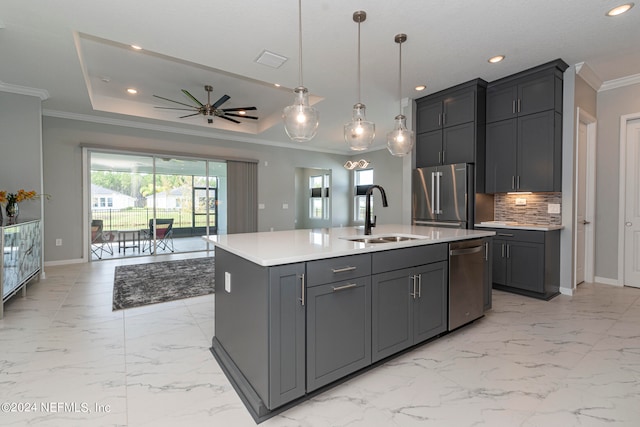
[(386, 238)]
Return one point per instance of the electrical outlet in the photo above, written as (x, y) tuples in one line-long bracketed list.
[(521, 201), (58, 242), (227, 281), (553, 208), (260, 205)]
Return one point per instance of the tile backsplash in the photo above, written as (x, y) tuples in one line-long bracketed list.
[(534, 212)]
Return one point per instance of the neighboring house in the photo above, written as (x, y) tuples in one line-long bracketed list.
[(174, 199), (105, 198)]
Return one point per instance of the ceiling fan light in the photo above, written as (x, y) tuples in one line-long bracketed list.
[(400, 140), (300, 119), (359, 132)]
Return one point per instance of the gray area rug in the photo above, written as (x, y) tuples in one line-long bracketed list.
[(143, 284)]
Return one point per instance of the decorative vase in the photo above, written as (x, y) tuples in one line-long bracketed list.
[(12, 212)]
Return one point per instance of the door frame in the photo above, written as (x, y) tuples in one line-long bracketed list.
[(622, 146), (590, 194)]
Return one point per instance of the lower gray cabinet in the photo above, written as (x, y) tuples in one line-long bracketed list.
[(338, 330), (409, 306), (527, 262)]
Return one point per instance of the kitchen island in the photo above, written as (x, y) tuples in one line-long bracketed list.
[(298, 311)]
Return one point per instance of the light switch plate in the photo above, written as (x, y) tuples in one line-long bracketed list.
[(227, 281), (521, 201), (553, 208), (285, 206)]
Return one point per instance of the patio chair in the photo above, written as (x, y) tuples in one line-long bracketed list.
[(101, 241), (164, 235)]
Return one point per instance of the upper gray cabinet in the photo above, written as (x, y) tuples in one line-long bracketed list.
[(524, 131), (450, 125)]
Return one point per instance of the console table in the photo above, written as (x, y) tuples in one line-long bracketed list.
[(20, 259)]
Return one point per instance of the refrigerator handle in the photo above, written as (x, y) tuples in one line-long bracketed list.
[(438, 175), (433, 182)]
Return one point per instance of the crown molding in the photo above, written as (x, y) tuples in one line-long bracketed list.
[(588, 75), (24, 90), (621, 82), (181, 131)]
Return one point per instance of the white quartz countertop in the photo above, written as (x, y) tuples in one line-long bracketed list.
[(289, 246), (518, 226)]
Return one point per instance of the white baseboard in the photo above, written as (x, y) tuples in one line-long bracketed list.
[(64, 262), (607, 281), (567, 291)]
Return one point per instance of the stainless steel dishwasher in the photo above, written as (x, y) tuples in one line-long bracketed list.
[(466, 278)]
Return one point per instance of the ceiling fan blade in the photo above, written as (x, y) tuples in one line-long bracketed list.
[(182, 109), (231, 120), (171, 100), (193, 98), (241, 116), (239, 109), (222, 100), (189, 115)]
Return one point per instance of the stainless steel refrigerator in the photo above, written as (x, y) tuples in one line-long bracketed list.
[(443, 196)]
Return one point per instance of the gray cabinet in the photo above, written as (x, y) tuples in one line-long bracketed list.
[(524, 131), (450, 124), (20, 260), (527, 262), (409, 302), (338, 330)]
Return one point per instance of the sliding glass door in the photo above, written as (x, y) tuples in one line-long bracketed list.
[(145, 205)]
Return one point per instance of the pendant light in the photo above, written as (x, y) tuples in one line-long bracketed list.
[(300, 119), (359, 132), (400, 140)]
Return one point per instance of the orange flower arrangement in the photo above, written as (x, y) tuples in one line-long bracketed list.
[(20, 196)]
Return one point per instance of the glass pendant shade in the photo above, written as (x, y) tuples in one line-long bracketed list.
[(400, 140), (300, 119), (359, 132)]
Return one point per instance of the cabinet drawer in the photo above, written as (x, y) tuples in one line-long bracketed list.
[(337, 269), (408, 257), (520, 235)]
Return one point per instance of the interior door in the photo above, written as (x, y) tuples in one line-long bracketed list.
[(632, 206), (581, 205)]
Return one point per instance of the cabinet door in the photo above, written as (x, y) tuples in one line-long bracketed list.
[(536, 152), (499, 264), (338, 330), (459, 108), (429, 149), (501, 102), (430, 301), (536, 94), (458, 144), (392, 322), (501, 156), (286, 334), (525, 266), (429, 115)]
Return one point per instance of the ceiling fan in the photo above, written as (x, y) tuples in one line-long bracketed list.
[(210, 111)]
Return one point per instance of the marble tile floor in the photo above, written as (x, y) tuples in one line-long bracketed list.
[(67, 360)]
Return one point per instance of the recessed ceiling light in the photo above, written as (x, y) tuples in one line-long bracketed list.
[(276, 84), (136, 47), (132, 91), (421, 87), (496, 59), (619, 10)]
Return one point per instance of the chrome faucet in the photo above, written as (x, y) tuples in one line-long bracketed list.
[(368, 224)]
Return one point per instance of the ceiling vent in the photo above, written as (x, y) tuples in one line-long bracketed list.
[(271, 59)]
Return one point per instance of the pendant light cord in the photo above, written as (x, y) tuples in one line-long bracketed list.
[(300, 43), (359, 100), (400, 79)]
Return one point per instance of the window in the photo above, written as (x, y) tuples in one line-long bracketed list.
[(363, 180), (319, 197)]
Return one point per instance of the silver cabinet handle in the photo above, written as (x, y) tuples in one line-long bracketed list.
[(439, 119), (419, 285), (502, 250), (508, 251), (505, 234), (444, 153), (302, 289), (439, 157), (444, 118), (343, 269), (486, 251), (519, 104), (513, 182), (413, 284), (343, 287), (518, 182), (513, 106)]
